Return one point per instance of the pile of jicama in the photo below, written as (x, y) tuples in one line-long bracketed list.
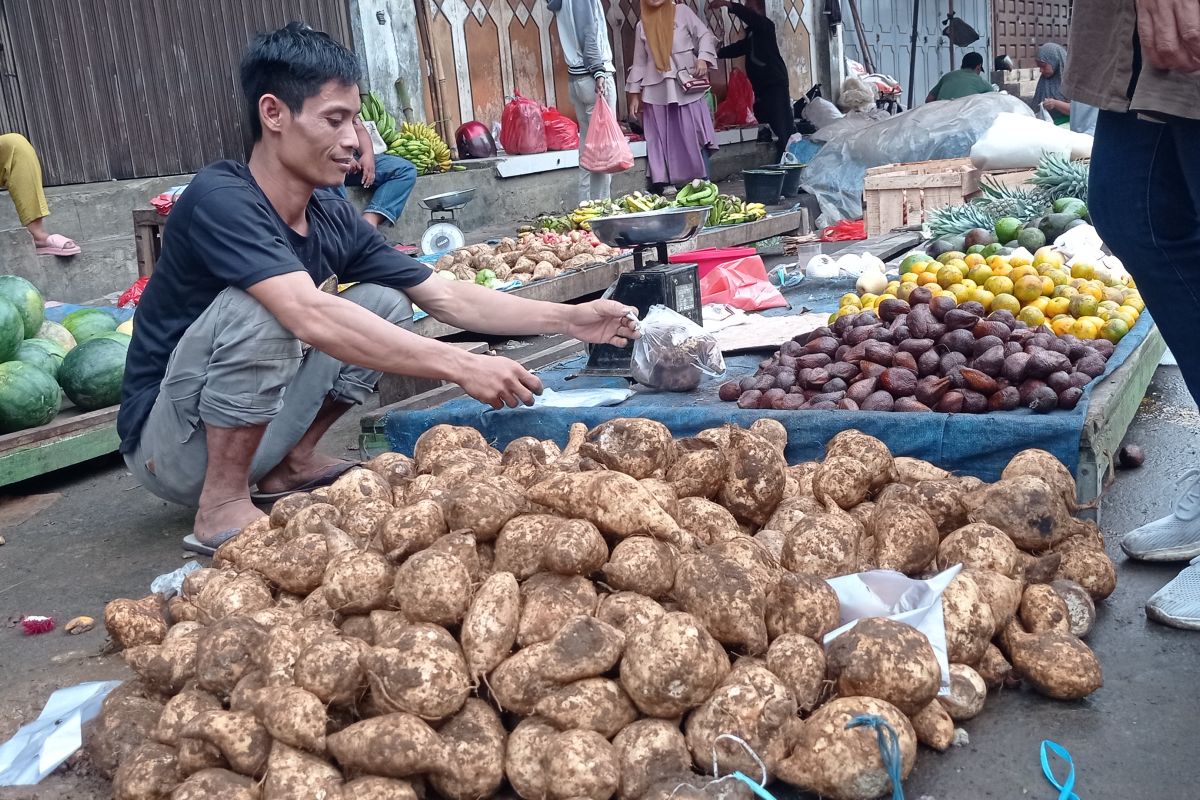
[(529, 257), (608, 619)]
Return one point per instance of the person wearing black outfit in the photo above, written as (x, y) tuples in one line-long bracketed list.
[(764, 67)]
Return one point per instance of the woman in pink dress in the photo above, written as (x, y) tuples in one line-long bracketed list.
[(672, 45)]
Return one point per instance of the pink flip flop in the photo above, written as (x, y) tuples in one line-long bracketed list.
[(57, 245)]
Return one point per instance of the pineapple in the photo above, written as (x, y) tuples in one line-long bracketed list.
[(1015, 201), (1058, 177), (954, 220)]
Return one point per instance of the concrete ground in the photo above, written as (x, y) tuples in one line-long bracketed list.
[(82, 537)]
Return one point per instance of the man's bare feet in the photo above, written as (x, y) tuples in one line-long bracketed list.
[(301, 470), (215, 519)]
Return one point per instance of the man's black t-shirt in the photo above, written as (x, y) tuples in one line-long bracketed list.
[(224, 232)]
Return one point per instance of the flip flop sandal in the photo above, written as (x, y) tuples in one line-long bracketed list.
[(194, 545), (58, 245), (324, 479)]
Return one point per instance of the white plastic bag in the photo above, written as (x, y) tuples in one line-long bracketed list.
[(821, 112), (1015, 141), (674, 353)]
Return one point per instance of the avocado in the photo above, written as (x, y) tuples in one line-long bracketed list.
[(946, 244), (1036, 222), (979, 236), (1031, 239), (1055, 225)]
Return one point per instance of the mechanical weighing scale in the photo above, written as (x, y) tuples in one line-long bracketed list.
[(442, 234), (652, 282)]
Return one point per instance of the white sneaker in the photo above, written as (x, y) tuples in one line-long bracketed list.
[(1172, 538), (1178, 603)]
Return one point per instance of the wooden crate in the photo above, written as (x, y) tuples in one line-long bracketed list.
[(897, 195), (72, 437), (148, 227)]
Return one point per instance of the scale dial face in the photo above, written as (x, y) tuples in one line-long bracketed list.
[(440, 237)]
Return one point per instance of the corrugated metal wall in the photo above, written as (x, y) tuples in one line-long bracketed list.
[(114, 89)]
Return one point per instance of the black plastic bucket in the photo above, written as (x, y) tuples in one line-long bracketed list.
[(763, 185), (791, 179)]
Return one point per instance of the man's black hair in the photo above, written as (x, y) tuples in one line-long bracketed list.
[(972, 61), (293, 63)]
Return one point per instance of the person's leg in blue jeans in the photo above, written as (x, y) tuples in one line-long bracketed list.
[(394, 181), (1144, 196)]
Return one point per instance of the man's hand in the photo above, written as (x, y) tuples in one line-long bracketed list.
[(499, 382), (601, 83), (701, 69), (603, 322), (635, 105), (366, 163), (1169, 31)]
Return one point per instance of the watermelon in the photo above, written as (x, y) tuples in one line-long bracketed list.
[(12, 330), (28, 397), (57, 334), (91, 374), (28, 300), (43, 354), (116, 336), (88, 322)]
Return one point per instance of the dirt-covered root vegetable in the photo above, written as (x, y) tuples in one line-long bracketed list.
[(792, 511), (520, 681), (612, 501), (241, 738), (981, 546), (772, 430), (799, 662), (906, 538), (375, 788), (523, 760), (356, 486), (255, 534), (968, 693), (726, 598), (698, 469), (225, 653), (671, 665), (358, 582), (1091, 569), (823, 545), (442, 438), (167, 667), (394, 745), (842, 480), (842, 763), (627, 610), (295, 773), (754, 477), (1058, 665), (993, 668), (581, 764), (933, 726), (802, 474), (771, 541), (521, 541), (195, 755), (412, 528), (423, 674), (942, 500), (664, 494), (395, 468), (750, 555), (867, 450), (914, 470), (706, 520), (1081, 610), (575, 548), (150, 772), (594, 704), (1043, 610), (329, 668), (463, 547), (489, 628), (291, 715), (527, 449), (549, 601), (135, 622), (477, 738), (751, 704), (240, 593), (1040, 568), (126, 719), (886, 659), (295, 567), (1042, 464), (310, 519), (968, 620), (179, 710), (584, 647), (432, 587), (1027, 508), (649, 751), (363, 521), (640, 448), (215, 782), (1001, 594), (481, 509), (276, 659), (457, 467)]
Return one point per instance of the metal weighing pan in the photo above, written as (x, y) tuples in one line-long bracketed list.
[(650, 227), (448, 201)]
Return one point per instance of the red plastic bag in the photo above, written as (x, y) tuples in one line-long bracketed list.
[(133, 295), (606, 149), (521, 128), (741, 283), (561, 131), (848, 230), (737, 109)]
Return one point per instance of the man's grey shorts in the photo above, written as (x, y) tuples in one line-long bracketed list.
[(237, 366)]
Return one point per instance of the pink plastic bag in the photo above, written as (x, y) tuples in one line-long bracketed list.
[(741, 283), (521, 128), (737, 109), (561, 131), (606, 149)]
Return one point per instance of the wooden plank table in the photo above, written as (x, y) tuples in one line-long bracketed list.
[(71, 438)]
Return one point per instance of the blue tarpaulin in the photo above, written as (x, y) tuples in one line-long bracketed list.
[(972, 444)]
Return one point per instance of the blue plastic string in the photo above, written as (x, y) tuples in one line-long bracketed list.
[(1066, 789), (757, 787), (889, 748)]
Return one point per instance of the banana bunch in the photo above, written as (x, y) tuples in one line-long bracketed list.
[(730, 210), (559, 224), (419, 152), (589, 210), (373, 111), (697, 193), (638, 202), (422, 131)]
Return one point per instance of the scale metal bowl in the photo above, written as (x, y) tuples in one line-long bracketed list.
[(650, 227), (449, 200)]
